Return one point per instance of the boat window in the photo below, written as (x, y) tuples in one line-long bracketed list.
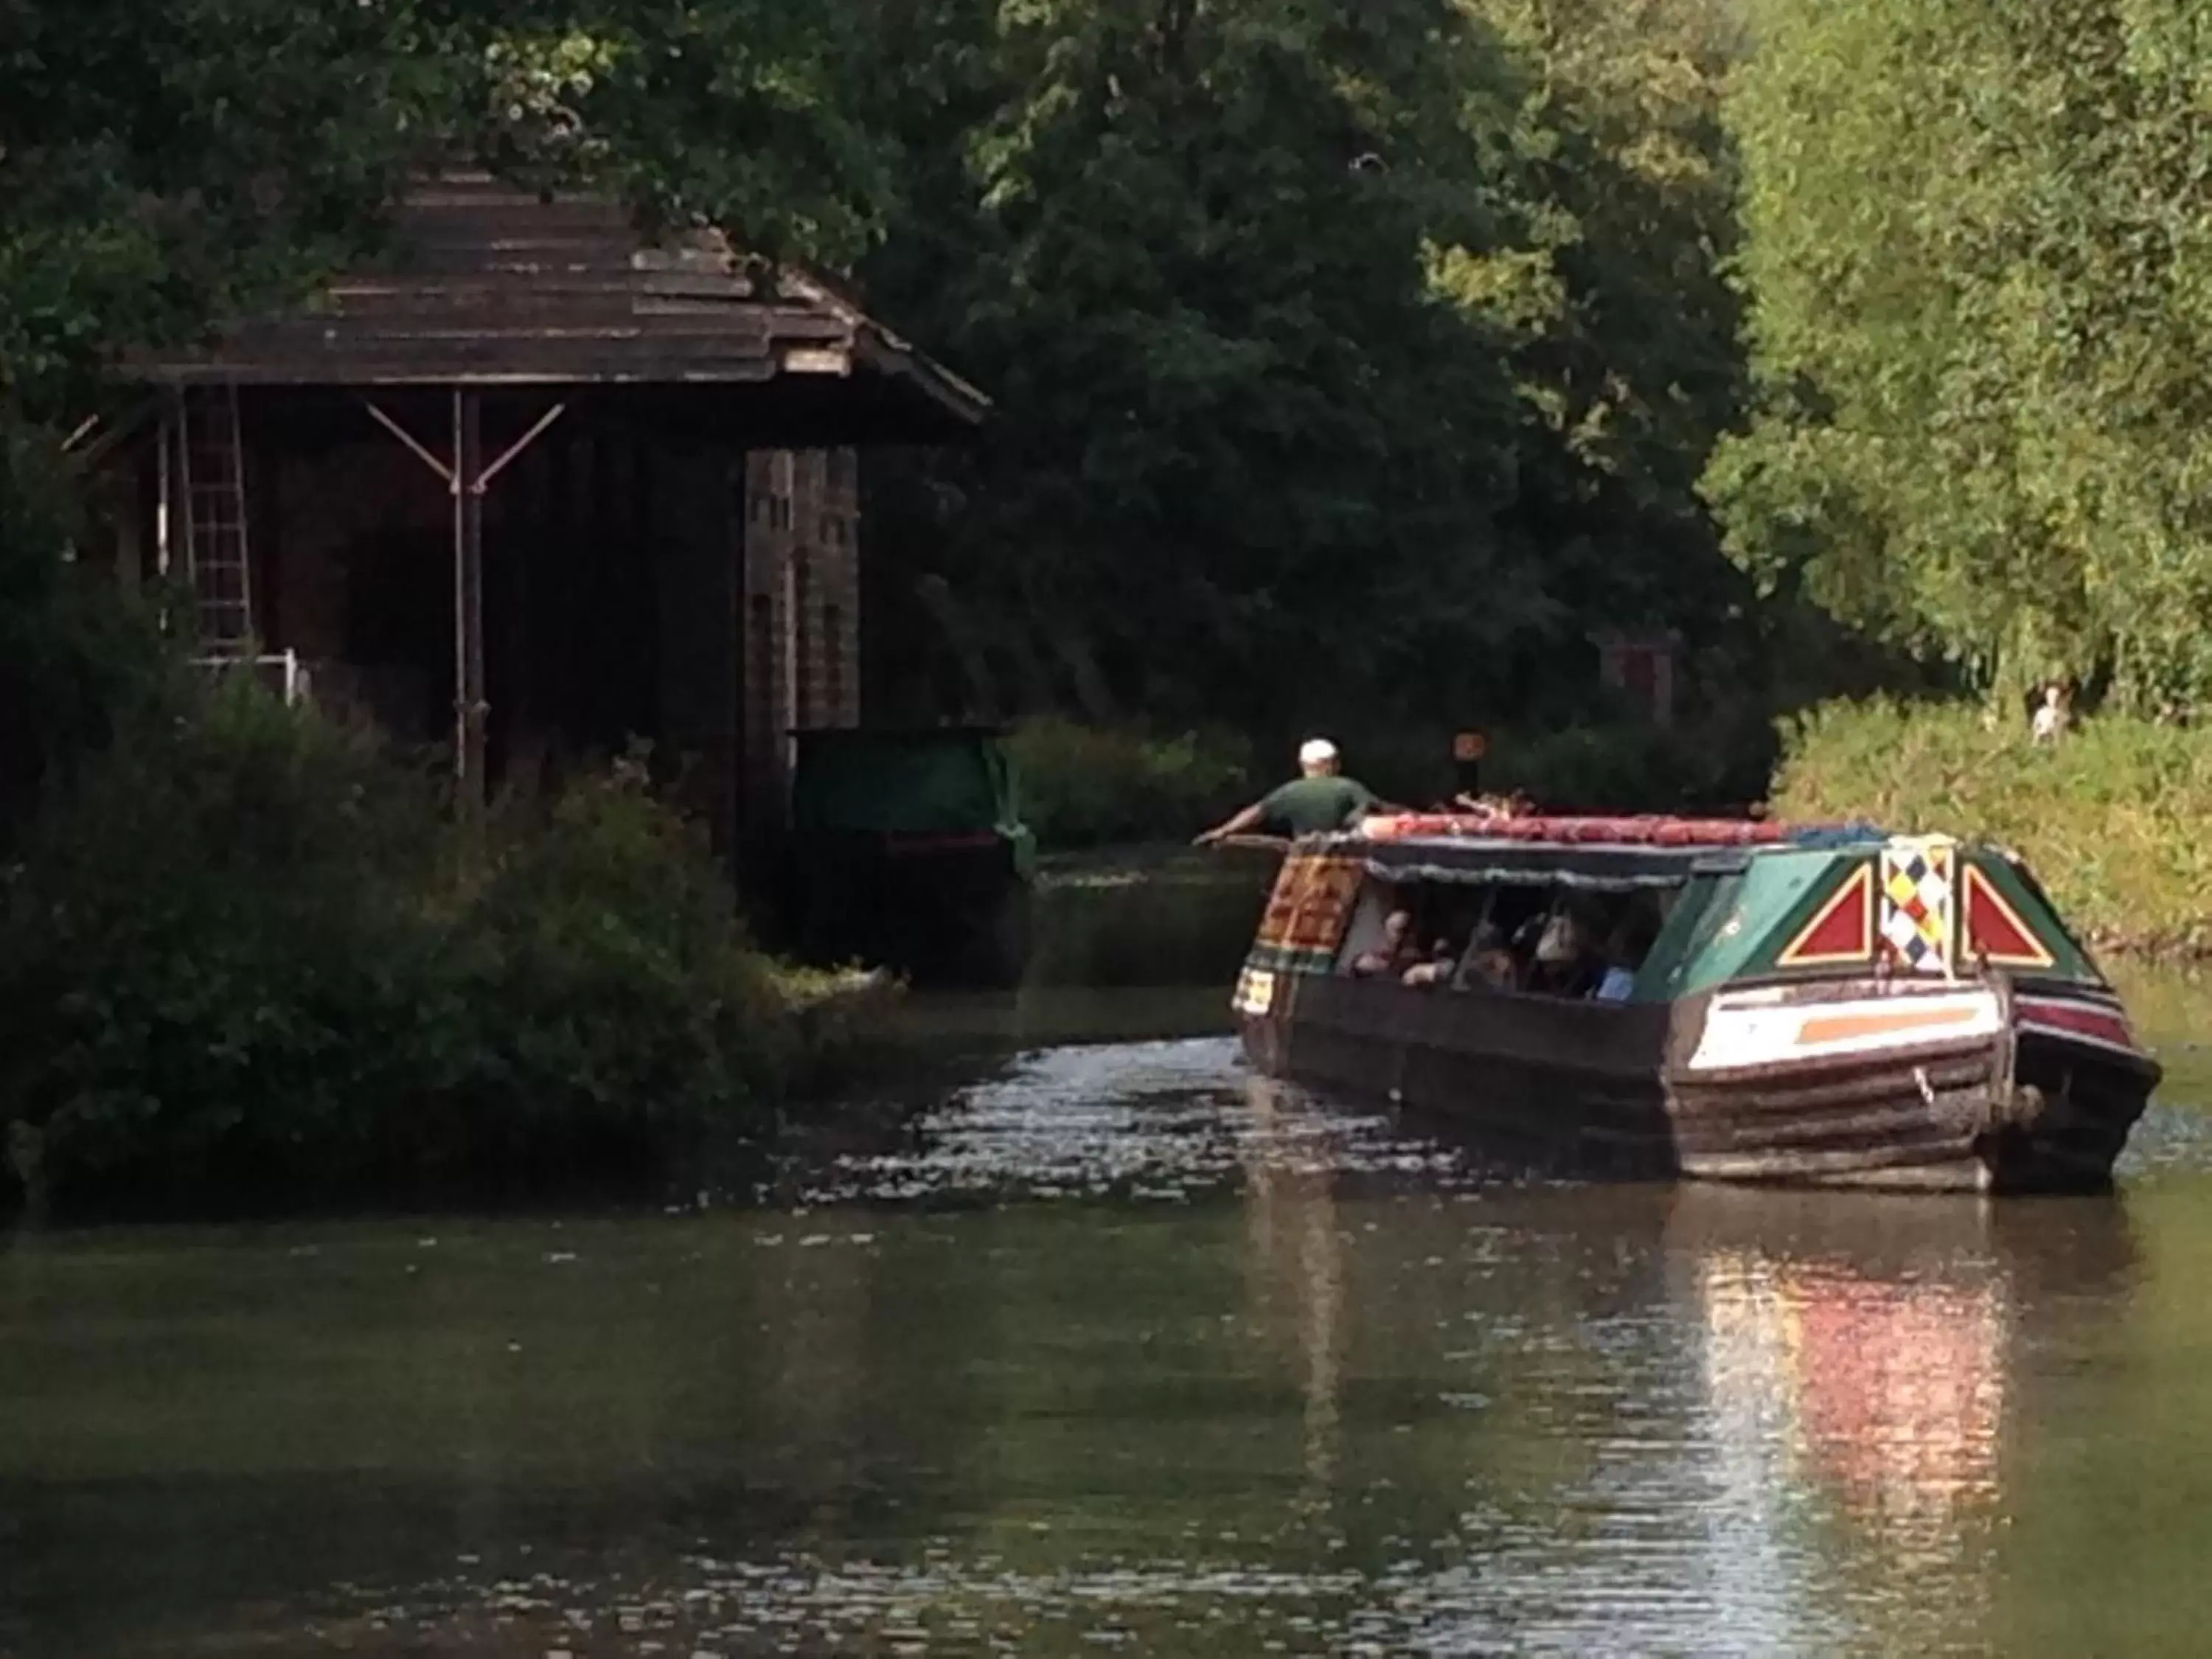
[(1531, 938), (1364, 933), (1634, 925), (1396, 928), (1562, 942)]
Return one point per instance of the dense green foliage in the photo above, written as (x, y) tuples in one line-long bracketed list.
[(1346, 363), (245, 954), (163, 165), (1086, 786), (1976, 248), (2108, 820), (68, 651), (1350, 367)]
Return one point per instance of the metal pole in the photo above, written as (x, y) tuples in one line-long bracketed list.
[(469, 705)]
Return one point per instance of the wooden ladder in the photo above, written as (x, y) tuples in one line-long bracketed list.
[(212, 464)]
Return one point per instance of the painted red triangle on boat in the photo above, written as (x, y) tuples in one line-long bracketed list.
[(1843, 929), (1995, 929)]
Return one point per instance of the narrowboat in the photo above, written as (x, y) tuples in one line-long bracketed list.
[(909, 850), (1743, 1001)]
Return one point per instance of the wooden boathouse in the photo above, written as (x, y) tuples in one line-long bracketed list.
[(535, 488)]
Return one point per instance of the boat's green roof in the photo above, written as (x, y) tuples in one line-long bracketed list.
[(1759, 900)]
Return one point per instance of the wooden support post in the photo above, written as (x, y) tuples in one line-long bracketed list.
[(165, 505), (467, 480), (469, 708)]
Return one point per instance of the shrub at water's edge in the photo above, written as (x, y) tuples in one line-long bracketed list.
[(1090, 786), (1087, 787), (250, 963), (1604, 765), (2110, 818)]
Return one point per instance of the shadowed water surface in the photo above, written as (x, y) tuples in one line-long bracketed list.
[(1122, 1349)]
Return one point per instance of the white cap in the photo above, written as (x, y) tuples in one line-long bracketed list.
[(1317, 752)]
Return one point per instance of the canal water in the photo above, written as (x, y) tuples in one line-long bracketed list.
[(1123, 1350)]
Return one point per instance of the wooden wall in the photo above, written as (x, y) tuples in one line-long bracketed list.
[(802, 601), (675, 588)]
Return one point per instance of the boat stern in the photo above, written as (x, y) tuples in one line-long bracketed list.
[(2080, 1080), (1862, 1083)]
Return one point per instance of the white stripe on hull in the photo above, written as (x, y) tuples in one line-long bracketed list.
[(1758, 1029)]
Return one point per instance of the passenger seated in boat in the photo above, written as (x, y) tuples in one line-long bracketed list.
[(1488, 962), (1438, 969), (1626, 947), (1396, 954), (1565, 965)]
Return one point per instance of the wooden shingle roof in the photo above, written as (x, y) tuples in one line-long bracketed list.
[(495, 286)]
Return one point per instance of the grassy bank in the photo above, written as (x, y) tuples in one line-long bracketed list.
[(253, 961), (2110, 819)]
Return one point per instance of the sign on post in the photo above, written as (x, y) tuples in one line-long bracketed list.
[(1467, 749)]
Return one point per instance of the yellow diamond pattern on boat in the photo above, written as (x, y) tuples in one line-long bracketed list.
[(1917, 902)]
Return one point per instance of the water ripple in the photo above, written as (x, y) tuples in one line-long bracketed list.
[(2169, 1140), (1524, 1597), (1155, 1122)]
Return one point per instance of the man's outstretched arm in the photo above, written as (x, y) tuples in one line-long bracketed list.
[(1250, 818)]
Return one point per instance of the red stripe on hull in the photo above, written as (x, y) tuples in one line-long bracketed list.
[(2084, 1022)]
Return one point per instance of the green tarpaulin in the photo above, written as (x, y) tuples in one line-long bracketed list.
[(939, 783)]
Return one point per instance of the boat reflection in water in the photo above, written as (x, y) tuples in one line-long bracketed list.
[(1294, 1263), (1657, 1417), (1863, 1358)]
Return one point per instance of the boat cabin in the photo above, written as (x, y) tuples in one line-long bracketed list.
[(1668, 907)]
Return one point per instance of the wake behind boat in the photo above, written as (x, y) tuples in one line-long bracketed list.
[(1727, 1000)]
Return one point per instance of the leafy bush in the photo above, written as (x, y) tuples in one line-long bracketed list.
[(2110, 819), (1633, 767), (250, 959), (1609, 766), (72, 648), (611, 983), (1087, 785)]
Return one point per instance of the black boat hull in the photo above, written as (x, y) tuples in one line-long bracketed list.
[(2010, 1104)]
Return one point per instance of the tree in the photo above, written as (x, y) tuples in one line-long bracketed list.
[(1627, 359), (1358, 364), (1976, 252), (1353, 361), (1247, 454), (163, 167)]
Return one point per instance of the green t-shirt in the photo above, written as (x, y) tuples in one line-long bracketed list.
[(1311, 806)]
